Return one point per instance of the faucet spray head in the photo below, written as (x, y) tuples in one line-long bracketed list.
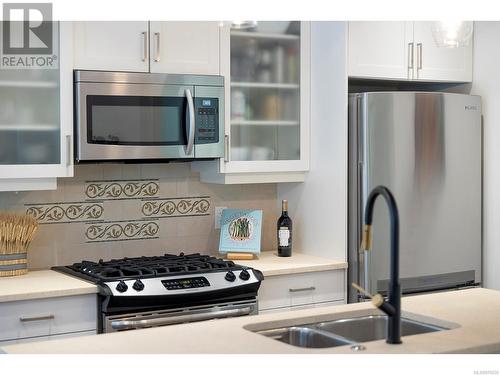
[(366, 242), (377, 299)]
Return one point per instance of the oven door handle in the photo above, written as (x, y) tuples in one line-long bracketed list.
[(190, 127), (188, 318)]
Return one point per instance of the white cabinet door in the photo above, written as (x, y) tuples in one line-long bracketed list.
[(380, 49), (111, 45), (267, 112), (48, 337), (184, 47), (47, 316), (36, 120), (433, 63)]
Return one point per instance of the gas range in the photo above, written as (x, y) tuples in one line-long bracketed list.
[(143, 292)]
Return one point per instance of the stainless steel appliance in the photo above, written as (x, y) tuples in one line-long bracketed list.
[(169, 289), (147, 116), (427, 149)]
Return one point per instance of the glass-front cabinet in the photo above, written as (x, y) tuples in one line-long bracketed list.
[(266, 70), (29, 117), (35, 133)]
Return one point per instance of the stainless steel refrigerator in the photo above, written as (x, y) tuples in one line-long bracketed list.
[(427, 149)]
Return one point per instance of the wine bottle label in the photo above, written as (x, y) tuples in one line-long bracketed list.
[(284, 236)]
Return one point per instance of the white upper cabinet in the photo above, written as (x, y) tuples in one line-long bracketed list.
[(433, 63), (36, 120), (404, 51), (158, 47), (184, 47), (380, 49), (111, 46), (266, 73)]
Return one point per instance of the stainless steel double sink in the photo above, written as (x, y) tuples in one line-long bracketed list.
[(350, 331)]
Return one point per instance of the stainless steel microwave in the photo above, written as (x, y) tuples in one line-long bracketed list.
[(122, 116)]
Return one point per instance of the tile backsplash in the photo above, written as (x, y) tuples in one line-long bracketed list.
[(117, 210)]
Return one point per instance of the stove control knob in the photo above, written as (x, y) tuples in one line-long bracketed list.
[(121, 287), (138, 285), (244, 275), (230, 276)]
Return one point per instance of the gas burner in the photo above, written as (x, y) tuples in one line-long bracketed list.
[(154, 266)]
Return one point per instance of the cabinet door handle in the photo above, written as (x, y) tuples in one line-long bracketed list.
[(37, 318), (144, 45), (157, 38), (295, 290), (410, 55), (69, 157), (410, 60), (419, 56), (226, 148)]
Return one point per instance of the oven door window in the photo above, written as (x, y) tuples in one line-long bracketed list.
[(136, 120)]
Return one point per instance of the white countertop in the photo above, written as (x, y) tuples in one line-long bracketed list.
[(271, 264), (475, 313), (42, 284), (48, 283)]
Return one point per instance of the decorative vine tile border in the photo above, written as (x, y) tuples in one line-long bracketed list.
[(176, 207), (121, 189), (65, 212), (122, 231)]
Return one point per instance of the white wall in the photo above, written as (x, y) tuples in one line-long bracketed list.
[(486, 83), (318, 206)]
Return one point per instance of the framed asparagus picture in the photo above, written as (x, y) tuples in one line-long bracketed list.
[(240, 231)]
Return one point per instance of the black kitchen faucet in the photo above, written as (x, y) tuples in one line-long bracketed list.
[(392, 307)]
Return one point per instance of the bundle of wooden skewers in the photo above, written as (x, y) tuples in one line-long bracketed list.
[(16, 233)]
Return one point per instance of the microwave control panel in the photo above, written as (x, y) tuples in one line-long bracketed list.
[(207, 120)]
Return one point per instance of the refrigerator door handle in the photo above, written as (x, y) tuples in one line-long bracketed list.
[(363, 256)]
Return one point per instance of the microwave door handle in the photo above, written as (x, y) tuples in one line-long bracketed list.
[(190, 126)]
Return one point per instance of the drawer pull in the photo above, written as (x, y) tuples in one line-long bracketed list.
[(294, 290), (37, 318)]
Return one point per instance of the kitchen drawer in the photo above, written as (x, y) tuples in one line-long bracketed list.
[(288, 291), (48, 316)]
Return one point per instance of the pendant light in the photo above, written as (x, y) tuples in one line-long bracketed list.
[(452, 34)]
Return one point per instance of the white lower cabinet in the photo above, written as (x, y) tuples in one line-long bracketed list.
[(44, 319), (303, 290), (48, 338)]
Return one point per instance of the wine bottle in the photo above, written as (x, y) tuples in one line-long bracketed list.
[(284, 232)]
